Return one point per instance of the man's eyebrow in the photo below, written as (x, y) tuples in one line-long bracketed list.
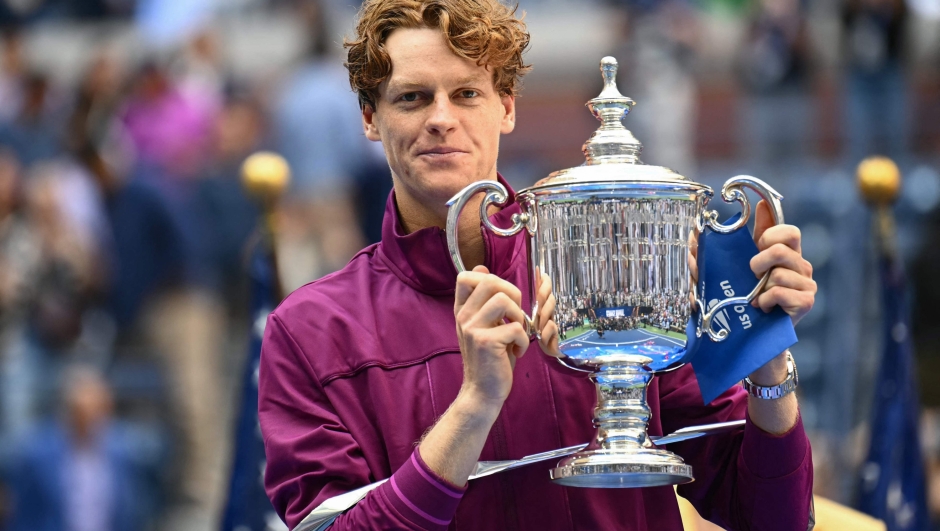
[(470, 80), (400, 85), (394, 84)]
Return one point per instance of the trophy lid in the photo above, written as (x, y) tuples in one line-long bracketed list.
[(612, 154)]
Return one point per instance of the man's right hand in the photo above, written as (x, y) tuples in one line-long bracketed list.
[(492, 337), (491, 331)]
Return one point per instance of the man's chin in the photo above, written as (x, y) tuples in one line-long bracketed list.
[(434, 187), (446, 184)]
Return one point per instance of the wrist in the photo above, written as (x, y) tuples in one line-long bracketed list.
[(476, 408), (771, 373)]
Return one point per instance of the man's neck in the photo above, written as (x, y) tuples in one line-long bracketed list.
[(414, 217)]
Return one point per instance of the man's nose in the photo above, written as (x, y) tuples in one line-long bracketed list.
[(443, 117)]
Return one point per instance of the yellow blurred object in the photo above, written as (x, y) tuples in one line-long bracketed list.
[(879, 180), (830, 516), (265, 175)]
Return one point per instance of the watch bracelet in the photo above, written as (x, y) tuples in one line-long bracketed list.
[(775, 392)]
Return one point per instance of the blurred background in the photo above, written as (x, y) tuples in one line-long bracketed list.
[(124, 229)]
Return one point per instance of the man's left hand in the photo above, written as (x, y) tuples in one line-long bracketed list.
[(791, 285)]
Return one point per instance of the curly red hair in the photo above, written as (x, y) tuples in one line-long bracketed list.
[(485, 31)]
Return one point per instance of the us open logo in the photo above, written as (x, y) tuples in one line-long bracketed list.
[(723, 318)]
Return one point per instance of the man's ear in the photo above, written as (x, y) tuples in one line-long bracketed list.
[(368, 123), (508, 122)]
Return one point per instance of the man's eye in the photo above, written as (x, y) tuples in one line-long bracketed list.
[(469, 93), (411, 96)]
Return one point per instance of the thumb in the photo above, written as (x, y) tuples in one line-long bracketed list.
[(481, 269)]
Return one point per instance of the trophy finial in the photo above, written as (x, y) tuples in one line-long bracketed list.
[(609, 72), (612, 143)]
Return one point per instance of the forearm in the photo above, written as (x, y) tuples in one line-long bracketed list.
[(452, 447), (773, 416)]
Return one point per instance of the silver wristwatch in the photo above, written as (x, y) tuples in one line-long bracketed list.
[(780, 390)]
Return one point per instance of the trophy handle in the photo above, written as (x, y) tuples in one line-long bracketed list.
[(495, 194), (733, 190)]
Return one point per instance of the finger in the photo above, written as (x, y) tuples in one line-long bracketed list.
[(512, 338), (545, 299), (547, 310), (779, 255), (481, 288), (506, 338), (692, 256), (466, 282), (544, 290), (795, 302), (788, 235), (498, 308), (787, 278), (549, 340), (763, 219), (544, 287)]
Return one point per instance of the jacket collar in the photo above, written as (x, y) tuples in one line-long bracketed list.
[(421, 259)]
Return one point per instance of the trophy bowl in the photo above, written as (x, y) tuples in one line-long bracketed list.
[(613, 236)]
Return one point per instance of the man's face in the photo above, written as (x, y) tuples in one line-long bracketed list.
[(438, 117)]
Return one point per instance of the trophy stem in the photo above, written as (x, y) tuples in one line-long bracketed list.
[(622, 454), (622, 414)]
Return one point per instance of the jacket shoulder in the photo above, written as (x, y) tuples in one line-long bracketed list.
[(365, 316)]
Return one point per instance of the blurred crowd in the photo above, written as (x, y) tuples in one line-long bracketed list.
[(123, 236), (124, 227)]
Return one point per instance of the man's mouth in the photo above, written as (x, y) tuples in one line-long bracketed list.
[(440, 151)]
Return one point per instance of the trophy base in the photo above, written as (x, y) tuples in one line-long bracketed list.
[(601, 468)]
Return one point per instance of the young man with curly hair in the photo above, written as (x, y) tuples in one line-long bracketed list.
[(396, 367)]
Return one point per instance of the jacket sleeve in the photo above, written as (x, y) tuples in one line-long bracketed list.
[(747, 479), (311, 455)]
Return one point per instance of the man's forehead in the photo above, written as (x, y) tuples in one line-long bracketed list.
[(421, 56)]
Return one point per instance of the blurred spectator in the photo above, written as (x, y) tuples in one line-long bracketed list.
[(97, 99), (158, 293), (12, 69), (876, 112), (83, 471), (18, 256), (145, 241), (170, 128), (49, 256), (229, 215), (32, 133), (198, 70), (775, 69), (318, 130)]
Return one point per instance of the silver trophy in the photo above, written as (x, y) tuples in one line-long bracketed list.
[(613, 236)]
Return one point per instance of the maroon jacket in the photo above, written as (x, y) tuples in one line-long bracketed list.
[(356, 366)]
